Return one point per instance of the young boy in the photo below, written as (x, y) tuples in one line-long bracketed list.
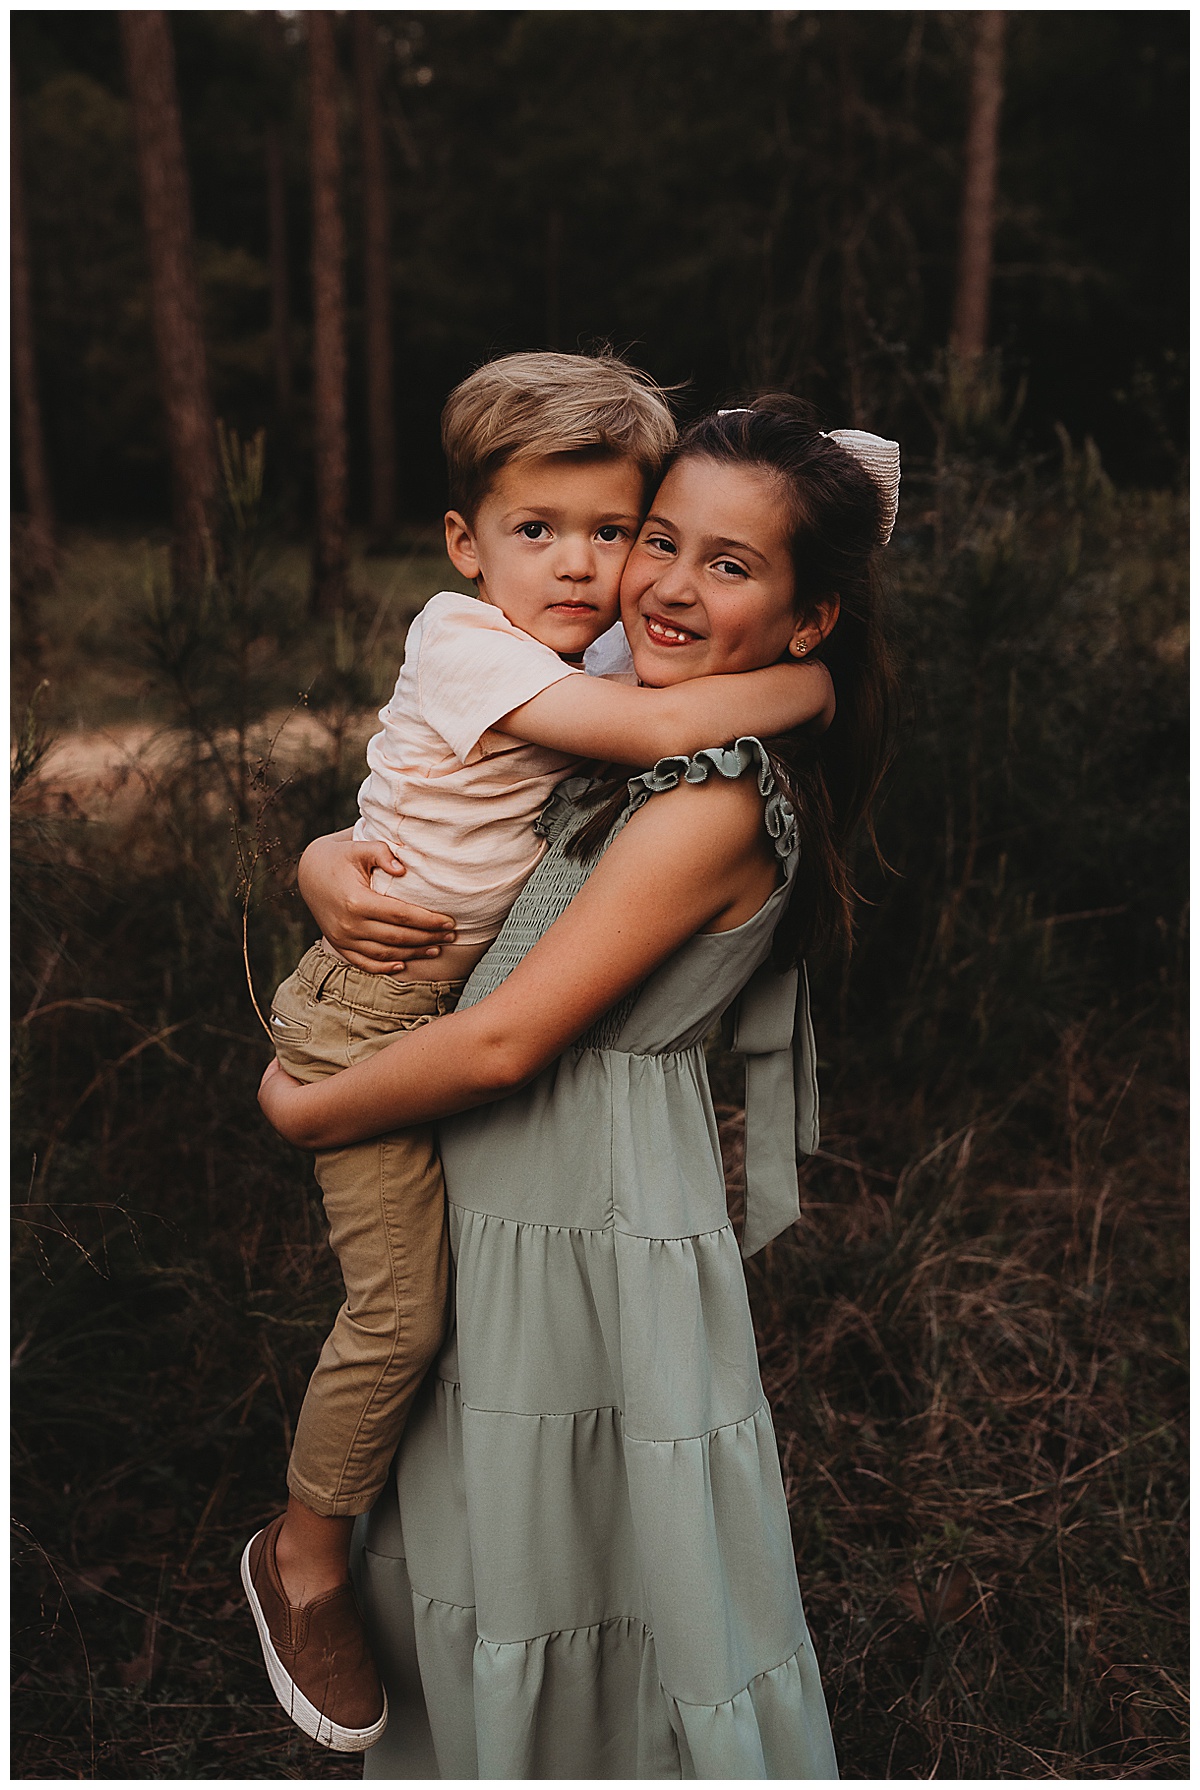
[(551, 459)]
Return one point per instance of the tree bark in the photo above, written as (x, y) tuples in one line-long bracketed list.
[(377, 281), (850, 224), (330, 547), (554, 257), (174, 294), (977, 229), (281, 315), (274, 58), (30, 440)]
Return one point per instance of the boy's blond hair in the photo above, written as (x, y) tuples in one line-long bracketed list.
[(526, 405)]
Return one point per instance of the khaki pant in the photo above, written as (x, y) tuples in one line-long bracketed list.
[(385, 1202)]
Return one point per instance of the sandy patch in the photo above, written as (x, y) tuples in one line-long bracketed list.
[(107, 773)]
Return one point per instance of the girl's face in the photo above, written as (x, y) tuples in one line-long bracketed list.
[(709, 586)]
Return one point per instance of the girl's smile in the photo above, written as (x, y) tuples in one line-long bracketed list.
[(665, 634)]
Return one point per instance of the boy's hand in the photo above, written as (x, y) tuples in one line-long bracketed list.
[(282, 1099), (373, 932)]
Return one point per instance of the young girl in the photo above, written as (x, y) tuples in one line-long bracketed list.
[(585, 1568)]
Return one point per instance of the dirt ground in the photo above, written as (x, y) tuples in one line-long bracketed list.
[(107, 773)]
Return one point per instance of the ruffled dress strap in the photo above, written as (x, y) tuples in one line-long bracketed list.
[(770, 1022), (734, 761)]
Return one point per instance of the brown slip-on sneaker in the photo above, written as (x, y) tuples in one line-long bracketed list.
[(317, 1656)]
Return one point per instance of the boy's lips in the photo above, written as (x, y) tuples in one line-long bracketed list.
[(665, 633)]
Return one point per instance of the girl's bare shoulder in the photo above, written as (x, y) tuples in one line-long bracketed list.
[(726, 811)]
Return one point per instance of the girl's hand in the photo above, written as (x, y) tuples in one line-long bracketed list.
[(372, 932), (283, 1100)]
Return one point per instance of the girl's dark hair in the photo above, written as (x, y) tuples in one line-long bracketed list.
[(835, 512)]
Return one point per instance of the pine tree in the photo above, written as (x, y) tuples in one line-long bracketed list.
[(331, 544), (39, 531), (381, 427), (977, 229), (174, 293), (277, 220)]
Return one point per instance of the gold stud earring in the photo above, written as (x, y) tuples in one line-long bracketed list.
[(799, 647)]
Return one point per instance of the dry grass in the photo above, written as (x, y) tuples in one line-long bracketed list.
[(171, 1290), (979, 1385)]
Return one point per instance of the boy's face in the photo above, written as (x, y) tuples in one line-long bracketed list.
[(548, 544)]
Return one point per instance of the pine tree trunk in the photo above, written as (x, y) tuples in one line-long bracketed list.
[(39, 532), (274, 48), (381, 425), (968, 335), (554, 255), (174, 294), (850, 224), (281, 318), (330, 548)]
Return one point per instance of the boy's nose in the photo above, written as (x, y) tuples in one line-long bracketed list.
[(575, 559)]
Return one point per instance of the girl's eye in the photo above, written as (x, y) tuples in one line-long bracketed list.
[(533, 531), (663, 543), (731, 568), (611, 531)]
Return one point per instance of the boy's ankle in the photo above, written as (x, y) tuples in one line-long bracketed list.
[(306, 1572)]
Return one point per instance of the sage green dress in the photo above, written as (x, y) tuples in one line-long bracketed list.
[(584, 1567)]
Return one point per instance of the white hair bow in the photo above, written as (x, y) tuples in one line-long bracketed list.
[(882, 460)]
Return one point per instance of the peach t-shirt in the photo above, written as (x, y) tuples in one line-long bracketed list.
[(455, 798)]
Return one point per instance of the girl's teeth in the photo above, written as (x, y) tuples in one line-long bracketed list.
[(667, 633)]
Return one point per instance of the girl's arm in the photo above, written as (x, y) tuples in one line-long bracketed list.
[(695, 859), (597, 718), (373, 932)]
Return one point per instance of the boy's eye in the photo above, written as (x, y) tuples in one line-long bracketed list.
[(611, 531), (533, 531)]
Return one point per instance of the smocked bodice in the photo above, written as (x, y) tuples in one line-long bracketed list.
[(680, 1003)]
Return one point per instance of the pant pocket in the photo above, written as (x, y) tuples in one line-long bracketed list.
[(286, 1029), (309, 1040)]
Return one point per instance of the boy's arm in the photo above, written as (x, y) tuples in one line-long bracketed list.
[(595, 718)]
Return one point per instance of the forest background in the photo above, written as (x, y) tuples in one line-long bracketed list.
[(974, 1340)]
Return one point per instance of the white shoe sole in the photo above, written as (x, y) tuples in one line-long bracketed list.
[(307, 1717)]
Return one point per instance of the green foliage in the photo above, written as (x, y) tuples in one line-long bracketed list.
[(96, 370), (742, 198), (1034, 817)]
